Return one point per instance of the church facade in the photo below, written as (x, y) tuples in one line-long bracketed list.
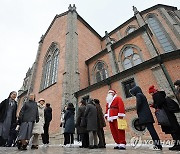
[(73, 61)]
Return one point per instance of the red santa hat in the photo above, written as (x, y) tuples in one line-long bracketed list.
[(112, 91), (152, 89)]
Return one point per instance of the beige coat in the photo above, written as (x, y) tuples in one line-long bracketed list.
[(38, 127)]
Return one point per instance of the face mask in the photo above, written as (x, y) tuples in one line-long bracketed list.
[(109, 98)]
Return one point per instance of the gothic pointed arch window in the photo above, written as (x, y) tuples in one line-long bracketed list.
[(160, 33), (100, 71), (50, 67), (130, 57), (130, 29)]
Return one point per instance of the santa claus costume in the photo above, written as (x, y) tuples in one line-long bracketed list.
[(114, 110)]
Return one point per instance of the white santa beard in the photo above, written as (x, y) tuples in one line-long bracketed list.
[(109, 98)]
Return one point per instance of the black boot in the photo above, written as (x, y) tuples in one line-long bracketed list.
[(24, 147), (175, 148), (2, 142), (19, 144)]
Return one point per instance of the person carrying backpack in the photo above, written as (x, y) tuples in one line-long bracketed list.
[(160, 101)]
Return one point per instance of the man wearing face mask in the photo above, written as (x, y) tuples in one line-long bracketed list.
[(114, 110)]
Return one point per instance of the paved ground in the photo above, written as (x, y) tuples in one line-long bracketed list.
[(57, 149)]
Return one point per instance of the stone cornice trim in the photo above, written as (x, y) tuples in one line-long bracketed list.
[(119, 27), (130, 36), (142, 12), (145, 65), (156, 7), (116, 44), (97, 56)]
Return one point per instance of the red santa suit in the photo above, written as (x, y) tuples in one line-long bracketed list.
[(115, 109)]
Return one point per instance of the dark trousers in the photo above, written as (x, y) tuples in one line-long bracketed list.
[(68, 138), (12, 138), (154, 135), (45, 136), (100, 134), (176, 138), (85, 140), (2, 141)]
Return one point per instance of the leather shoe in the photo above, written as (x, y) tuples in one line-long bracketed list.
[(175, 148)]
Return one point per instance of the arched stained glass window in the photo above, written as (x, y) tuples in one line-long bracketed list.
[(49, 76), (127, 63), (130, 30), (160, 33), (47, 70), (130, 58), (55, 65), (136, 59), (100, 71)]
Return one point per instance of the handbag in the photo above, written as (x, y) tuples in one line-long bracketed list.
[(172, 105), (83, 122), (162, 117), (122, 124)]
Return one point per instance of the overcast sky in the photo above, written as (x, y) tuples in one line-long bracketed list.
[(22, 22)]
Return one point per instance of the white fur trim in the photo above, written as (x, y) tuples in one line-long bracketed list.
[(121, 115), (105, 115), (113, 117), (111, 91), (122, 145), (110, 119)]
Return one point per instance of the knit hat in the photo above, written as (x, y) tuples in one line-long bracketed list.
[(152, 89)]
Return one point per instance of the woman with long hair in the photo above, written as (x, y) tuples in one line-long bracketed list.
[(8, 109)]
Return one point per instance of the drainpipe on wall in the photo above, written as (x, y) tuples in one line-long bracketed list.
[(168, 79), (167, 76)]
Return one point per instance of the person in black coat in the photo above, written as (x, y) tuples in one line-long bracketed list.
[(47, 118), (91, 117), (101, 124), (145, 116), (8, 109), (80, 126), (160, 101), (69, 124), (28, 115)]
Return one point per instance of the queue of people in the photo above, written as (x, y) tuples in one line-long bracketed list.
[(34, 119), (17, 131)]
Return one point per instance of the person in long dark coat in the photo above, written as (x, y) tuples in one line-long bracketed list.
[(8, 108), (80, 128), (69, 124), (27, 117), (101, 124), (47, 118), (145, 116), (91, 117), (160, 101)]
